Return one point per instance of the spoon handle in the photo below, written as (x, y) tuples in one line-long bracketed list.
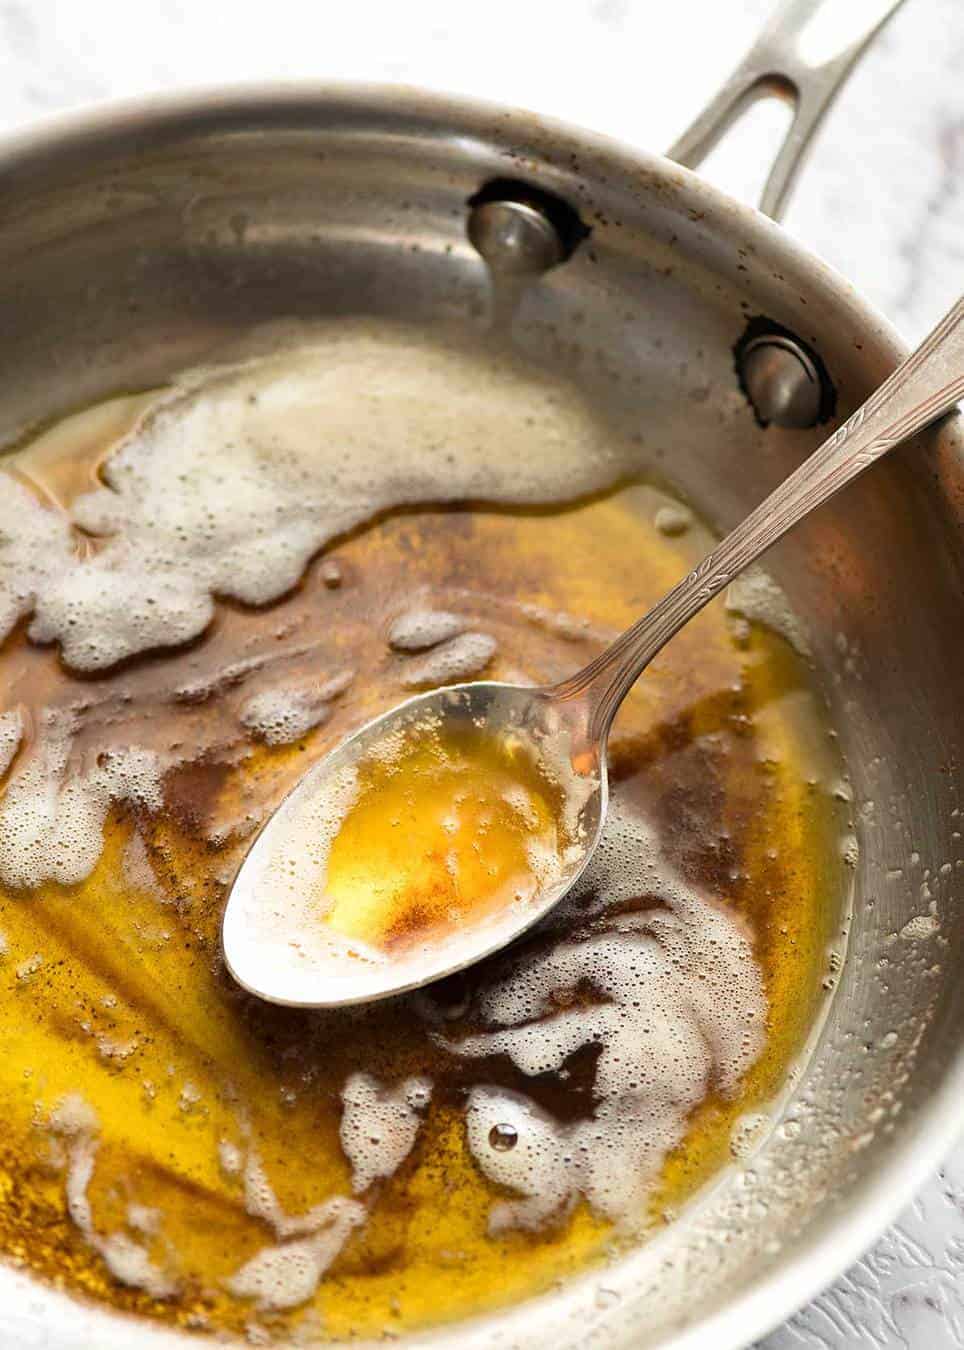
[(923, 387)]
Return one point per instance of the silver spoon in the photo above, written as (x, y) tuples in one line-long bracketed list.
[(265, 945)]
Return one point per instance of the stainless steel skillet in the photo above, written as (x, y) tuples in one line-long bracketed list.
[(133, 239)]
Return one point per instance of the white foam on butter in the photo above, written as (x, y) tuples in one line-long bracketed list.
[(52, 813), (673, 519), (143, 1219), (458, 659), (571, 627), (920, 927), (104, 609), (11, 735), (73, 1115), (754, 595), (138, 869), (379, 1125), (418, 629), (232, 481), (281, 715), (230, 1158), (35, 550), (680, 1011), (128, 1260), (261, 1201), (287, 1274)]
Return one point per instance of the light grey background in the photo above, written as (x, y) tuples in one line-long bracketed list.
[(882, 200)]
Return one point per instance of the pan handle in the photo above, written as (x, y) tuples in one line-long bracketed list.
[(804, 55)]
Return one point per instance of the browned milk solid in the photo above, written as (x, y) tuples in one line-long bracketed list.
[(180, 1150)]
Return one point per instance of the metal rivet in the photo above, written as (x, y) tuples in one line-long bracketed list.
[(515, 238), (781, 381)]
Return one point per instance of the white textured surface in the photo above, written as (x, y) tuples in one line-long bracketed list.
[(882, 200)]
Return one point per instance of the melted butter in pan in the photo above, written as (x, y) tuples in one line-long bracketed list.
[(178, 1149)]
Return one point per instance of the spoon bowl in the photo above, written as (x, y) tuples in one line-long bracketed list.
[(272, 935), (275, 942)]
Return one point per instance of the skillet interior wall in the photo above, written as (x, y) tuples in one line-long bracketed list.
[(125, 256)]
